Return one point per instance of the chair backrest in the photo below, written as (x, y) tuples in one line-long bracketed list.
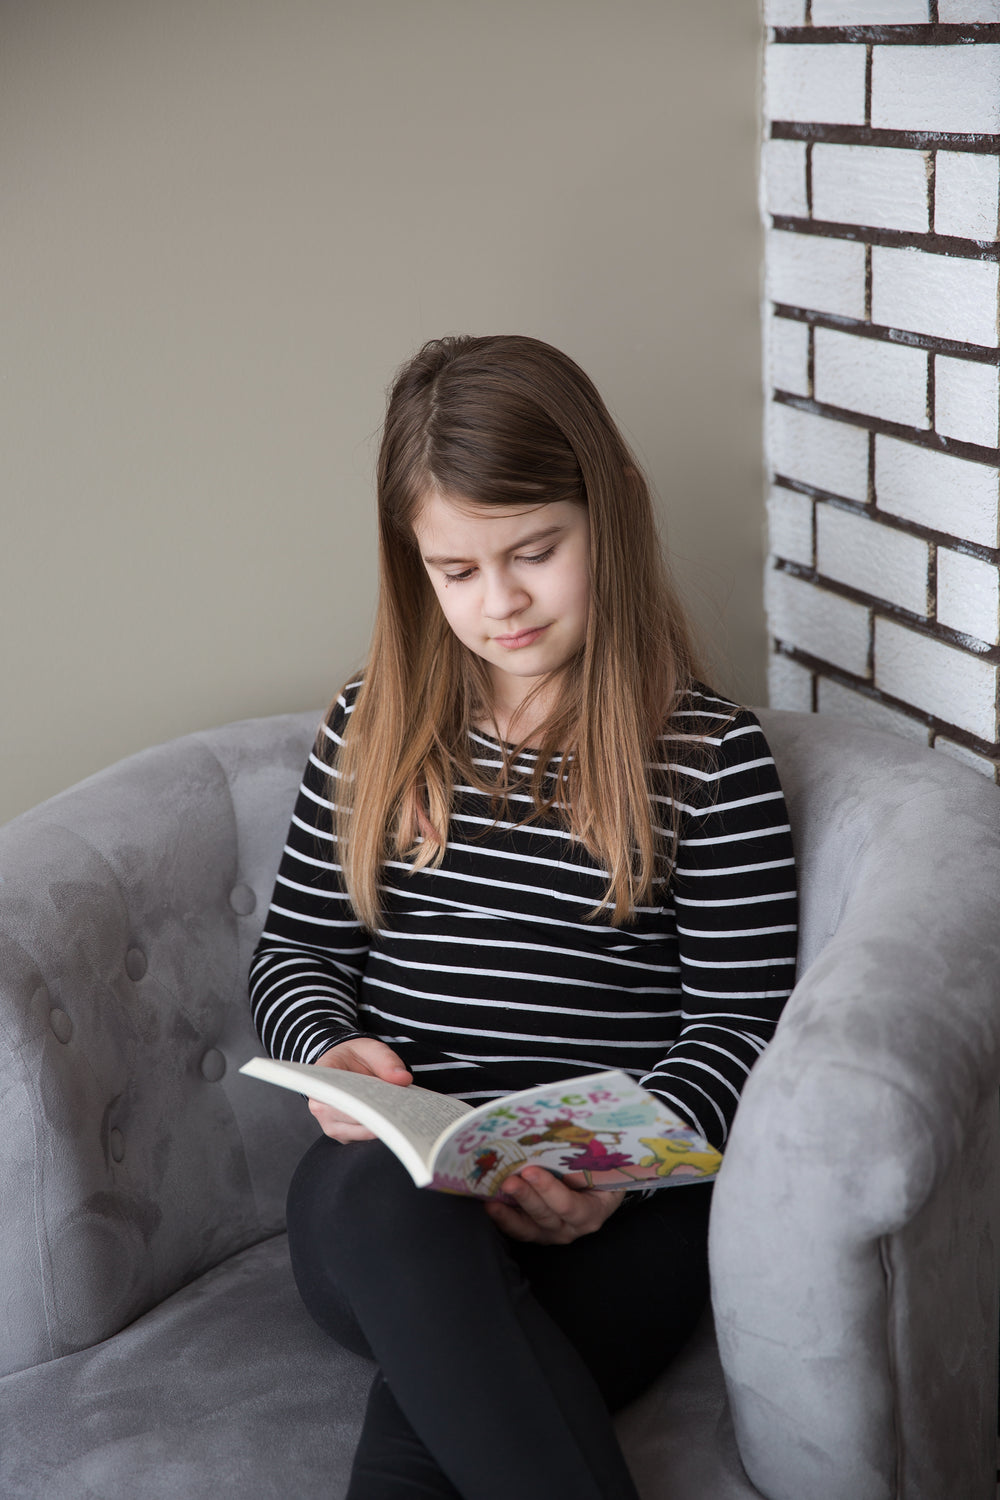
[(133, 1155), (848, 790)]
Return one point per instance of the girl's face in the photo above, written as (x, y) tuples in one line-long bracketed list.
[(513, 582)]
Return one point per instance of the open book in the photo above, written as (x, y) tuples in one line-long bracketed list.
[(603, 1127)]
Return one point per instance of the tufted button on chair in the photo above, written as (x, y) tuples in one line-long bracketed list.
[(151, 1340)]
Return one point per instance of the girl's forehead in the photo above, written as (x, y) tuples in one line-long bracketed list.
[(437, 509), (440, 513)]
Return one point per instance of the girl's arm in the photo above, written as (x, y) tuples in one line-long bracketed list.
[(736, 906), (307, 966)]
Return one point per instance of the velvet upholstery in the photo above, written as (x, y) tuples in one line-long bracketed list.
[(151, 1341)]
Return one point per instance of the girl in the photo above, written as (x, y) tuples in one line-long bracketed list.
[(528, 845)]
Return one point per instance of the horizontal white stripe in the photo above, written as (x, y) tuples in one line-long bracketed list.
[(313, 831), (299, 916), (737, 963), (737, 838), (522, 1005), (689, 989), (711, 773), (738, 900), (734, 932), (518, 1036), (589, 955), (505, 885), (318, 864), (712, 870), (483, 850)]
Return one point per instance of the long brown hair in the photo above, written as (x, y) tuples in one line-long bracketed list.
[(505, 420)]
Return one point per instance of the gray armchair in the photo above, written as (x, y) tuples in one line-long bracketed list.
[(151, 1340)]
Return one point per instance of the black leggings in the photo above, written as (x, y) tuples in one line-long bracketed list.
[(499, 1362)]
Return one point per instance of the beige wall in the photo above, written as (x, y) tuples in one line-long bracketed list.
[(225, 222)]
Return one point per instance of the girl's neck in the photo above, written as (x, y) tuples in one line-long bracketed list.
[(519, 722)]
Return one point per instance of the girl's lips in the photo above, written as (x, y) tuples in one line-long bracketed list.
[(522, 638)]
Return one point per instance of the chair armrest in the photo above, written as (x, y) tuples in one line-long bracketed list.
[(854, 1234)]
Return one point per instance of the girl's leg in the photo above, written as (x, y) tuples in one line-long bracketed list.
[(484, 1377), (629, 1296)]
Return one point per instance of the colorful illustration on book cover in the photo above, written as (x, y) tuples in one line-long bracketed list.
[(611, 1137)]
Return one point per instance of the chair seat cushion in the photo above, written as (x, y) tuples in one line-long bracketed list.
[(228, 1387)]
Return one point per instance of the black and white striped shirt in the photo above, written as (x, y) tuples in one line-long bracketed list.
[(487, 975)]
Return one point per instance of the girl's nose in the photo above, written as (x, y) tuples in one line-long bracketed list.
[(503, 596)]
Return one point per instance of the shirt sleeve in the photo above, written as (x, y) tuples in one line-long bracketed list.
[(306, 969), (736, 909)]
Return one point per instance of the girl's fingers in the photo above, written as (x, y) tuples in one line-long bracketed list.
[(337, 1126), (546, 1211)]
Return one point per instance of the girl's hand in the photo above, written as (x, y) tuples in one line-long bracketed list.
[(361, 1055), (548, 1211)]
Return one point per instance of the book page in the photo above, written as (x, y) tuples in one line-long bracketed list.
[(407, 1118), (599, 1131)]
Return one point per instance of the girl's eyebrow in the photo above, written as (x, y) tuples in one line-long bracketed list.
[(526, 541)]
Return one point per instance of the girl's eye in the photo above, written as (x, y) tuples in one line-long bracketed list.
[(540, 557), (459, 577)]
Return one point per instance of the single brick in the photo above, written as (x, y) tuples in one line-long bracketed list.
[(868, 12), (789, 684), (810, 82), (937, 294), (968, 595), (966, 756), (805, 270), (952, 11), (953, 685), (862, 374), (784, 12), (783, 178), (937, 490), (967, 400), (834, 698), (787, 354), (876, 185), (874, 559), (937, 88), (817, 621), (831, 455), (967, 195), (790, 526)]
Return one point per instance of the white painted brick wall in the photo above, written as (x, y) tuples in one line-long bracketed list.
[(967, 400), (824, 275), (862, 374), (877, 185), (787, 355), (936, 88), (815, 82), (868, 12), (937, 490), (833, 456), (952, 11), (936, 294), (915, 188), (875, 559), (834, 698), (968, 595), (966, 756), (783, 178), (967, 195), (789, 684), (952, 685), (790, 526), (818, 622)]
